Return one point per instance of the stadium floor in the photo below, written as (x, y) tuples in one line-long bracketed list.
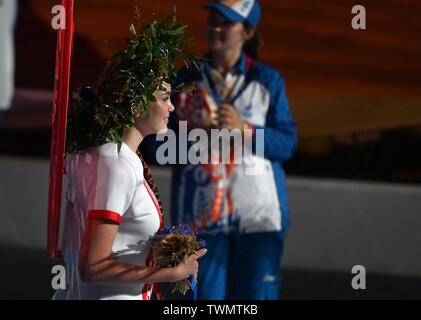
[(26, 274)]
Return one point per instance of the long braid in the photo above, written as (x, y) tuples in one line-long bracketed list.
[(147, 173)]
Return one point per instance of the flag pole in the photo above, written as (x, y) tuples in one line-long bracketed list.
[(58, 127)]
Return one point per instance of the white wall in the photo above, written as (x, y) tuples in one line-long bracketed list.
[(23, 202), (335, 224), (338, 224)]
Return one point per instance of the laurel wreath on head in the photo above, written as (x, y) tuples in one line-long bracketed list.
[(128, 83)]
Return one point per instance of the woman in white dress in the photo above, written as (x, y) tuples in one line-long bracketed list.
[(112, 210)]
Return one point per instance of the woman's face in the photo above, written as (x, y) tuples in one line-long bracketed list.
[(159, 111), (224, 35)]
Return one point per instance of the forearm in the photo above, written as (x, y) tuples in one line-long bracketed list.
[(113, 271)]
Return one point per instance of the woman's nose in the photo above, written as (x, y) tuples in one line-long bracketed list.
[(172, 108)]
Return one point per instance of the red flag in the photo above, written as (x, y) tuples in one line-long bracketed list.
[(58, 127)]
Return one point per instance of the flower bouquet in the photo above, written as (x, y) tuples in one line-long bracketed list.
[(171, 246)]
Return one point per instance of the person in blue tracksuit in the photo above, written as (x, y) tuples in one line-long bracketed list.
[(240, 209)]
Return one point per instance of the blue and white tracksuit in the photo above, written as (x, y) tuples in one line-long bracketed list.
[(243, 216)]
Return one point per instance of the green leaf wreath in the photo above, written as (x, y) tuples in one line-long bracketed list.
[(128, 83)]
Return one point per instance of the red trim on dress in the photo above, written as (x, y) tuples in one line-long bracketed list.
[(150, 288), (104, 214)]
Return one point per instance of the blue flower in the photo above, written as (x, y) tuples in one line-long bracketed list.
[(166, 230), (185, 229), (202, 244)]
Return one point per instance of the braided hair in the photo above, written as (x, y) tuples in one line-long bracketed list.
[(147, 173)]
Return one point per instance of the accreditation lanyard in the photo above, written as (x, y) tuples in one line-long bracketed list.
[(237, 88)]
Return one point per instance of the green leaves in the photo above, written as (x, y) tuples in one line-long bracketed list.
[(153, 29), (130, 80), (176, 32), (133, 30)]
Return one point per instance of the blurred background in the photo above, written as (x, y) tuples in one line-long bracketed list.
[(354, 182)]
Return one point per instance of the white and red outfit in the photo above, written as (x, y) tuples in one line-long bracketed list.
[(104, 183)]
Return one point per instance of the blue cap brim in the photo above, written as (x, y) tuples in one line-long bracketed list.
[(227, 12)]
